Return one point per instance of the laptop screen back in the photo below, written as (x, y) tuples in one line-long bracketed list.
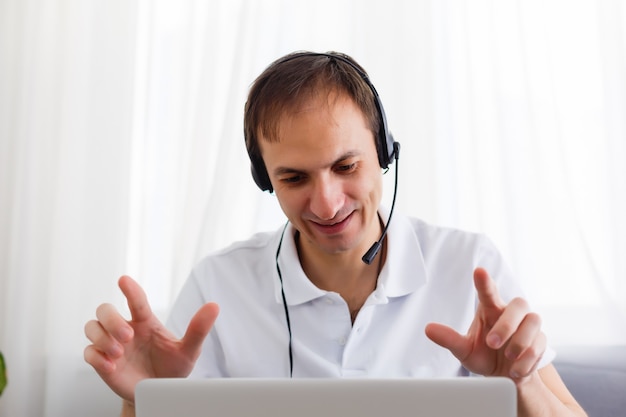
[(467, 397)]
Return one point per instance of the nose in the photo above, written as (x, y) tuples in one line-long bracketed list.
[(326, 198)]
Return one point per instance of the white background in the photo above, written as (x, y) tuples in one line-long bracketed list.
[(121, 151)]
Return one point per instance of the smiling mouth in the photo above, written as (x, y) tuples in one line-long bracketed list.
[(333, 228)]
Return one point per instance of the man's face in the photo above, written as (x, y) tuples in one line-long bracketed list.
[(325, 172)]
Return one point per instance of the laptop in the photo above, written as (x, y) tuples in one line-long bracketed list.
[(445, 397)]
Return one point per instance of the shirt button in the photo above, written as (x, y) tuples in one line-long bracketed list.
[(328, 301), (342, 341)]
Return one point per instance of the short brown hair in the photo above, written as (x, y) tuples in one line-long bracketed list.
[(292, 80)]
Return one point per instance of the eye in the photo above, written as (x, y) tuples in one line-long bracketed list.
[(294, 179), (346, 168)]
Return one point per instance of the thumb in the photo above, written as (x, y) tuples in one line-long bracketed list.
[(450, 339), (199, 327)]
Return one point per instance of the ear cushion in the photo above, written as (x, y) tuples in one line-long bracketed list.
[(384, 139), (259, 174)]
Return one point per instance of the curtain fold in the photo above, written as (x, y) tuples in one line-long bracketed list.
[(122, 151), (65, 126)]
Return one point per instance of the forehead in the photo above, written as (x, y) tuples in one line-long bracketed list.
[(319, 130)]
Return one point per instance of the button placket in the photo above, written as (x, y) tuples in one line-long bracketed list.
[(352, 360)]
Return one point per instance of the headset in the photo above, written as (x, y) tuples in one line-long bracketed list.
[(386, 147)]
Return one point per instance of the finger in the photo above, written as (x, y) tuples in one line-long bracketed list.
[(450, 339), (486, 288), (102, 340), (526, 334), (199, 328), (137, 301), (113, 323), (507, 323), (98, 360), (529, 359)]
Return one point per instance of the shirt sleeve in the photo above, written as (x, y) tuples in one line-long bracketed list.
[(188, 302)]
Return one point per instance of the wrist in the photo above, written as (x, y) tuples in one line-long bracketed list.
[(128, 409)]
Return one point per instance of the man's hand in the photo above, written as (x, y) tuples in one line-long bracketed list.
[(503, 340), (125, 352)]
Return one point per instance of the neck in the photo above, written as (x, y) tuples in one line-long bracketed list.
[(344, 273)]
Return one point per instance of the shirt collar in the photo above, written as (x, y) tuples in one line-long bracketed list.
[(402, 273), (404, 270), (298, 288)]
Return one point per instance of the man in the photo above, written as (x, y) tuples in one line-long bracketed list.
[(305, 301)]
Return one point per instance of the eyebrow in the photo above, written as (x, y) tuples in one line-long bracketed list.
[(286, 170)]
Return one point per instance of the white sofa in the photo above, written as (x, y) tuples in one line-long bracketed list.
[(596, 376)]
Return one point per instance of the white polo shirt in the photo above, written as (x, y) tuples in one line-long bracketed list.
[(427, 277)]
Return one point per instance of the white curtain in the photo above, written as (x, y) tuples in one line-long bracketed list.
[(121, 151)]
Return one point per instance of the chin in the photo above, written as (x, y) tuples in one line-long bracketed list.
[(340, 244)]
